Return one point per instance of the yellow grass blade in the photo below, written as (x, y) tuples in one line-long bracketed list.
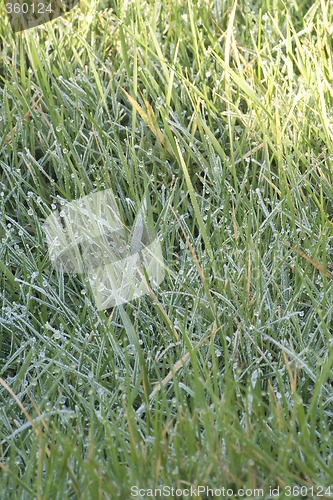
[(315, 264)]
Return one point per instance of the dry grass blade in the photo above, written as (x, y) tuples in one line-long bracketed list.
[(24, 119), (24, 411), (176, 367), (315, 264), (195, 203), (163, 311), (195, 258), (150, 119)]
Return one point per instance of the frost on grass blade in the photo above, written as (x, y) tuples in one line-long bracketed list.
[(88, 236), (25, 14)]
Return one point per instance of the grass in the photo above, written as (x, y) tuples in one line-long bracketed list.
[(222, 113)]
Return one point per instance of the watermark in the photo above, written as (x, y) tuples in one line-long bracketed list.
[(25, 14), (196, 491), (89, 237), (294, 491)]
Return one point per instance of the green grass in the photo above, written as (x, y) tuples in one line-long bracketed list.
[(222, 113)]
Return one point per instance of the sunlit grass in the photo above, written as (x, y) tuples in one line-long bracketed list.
[(223, 377)]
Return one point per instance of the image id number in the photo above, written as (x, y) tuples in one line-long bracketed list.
[(25, 8)]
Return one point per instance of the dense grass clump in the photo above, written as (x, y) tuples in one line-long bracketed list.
[(219, 113)]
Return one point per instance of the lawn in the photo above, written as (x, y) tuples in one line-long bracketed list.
[(220, 115)]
